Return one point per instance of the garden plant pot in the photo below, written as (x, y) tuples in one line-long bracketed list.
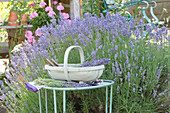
[(24, 19), (13, 17), (74, 71)]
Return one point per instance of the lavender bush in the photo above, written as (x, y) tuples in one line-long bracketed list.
[(138, 65)]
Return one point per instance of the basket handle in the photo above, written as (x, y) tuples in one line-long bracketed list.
[(66, 59)]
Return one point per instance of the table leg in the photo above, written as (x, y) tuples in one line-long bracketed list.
[(46, 101), (111, 95), (64, 101), (55, 103), (40, 101), (106, 100)]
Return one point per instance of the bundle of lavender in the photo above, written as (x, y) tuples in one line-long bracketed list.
[(37, 84)]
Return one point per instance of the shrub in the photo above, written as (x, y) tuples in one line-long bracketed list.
[(42, 13), (137, 65)]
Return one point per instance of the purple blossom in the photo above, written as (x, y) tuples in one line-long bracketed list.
[(118, 71), (140, 89), (158, 99), (121, 67), (2, 97), (143, 58), (1, 83), (154, 93), (143, 78), (100, 46), (117, 88), (74, 84), (128, 66), (144, 72), (116, 64), (158, 73), (33, 4), (103, 53), (136, 67), (128, 75), (148, 56), (133, 46), (3, 91), (26, 104), (116, 55), (103, 61), (113, 69), (116, 47), (31, 87), (138, 54), (136, 74), (53, 20), (127, 60)]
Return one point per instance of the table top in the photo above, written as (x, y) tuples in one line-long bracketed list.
[(14, 27), (105, 83)]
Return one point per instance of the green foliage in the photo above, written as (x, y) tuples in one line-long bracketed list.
[(20, 7), (138, 67), (92, 6), (40, 21), (4, 11), (42, 18), (3, 35)]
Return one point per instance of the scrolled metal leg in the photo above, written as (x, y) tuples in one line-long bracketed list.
[(64, 101), (106, 109), (111, 95), (40, 101), (46, 101), (55, 103)]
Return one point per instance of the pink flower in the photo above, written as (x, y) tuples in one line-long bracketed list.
[(34, 14), (31, 39), (28, 34), (63, 27), (33, 4), (65, 15), (69, 21), (60, 7), (48, 9), (54, 2), (51, 13), (38, 32), (43, 4)]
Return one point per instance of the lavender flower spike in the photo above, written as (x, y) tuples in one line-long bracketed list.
[(31, 87)]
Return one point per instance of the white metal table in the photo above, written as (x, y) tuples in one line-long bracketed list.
[(105, 83)]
